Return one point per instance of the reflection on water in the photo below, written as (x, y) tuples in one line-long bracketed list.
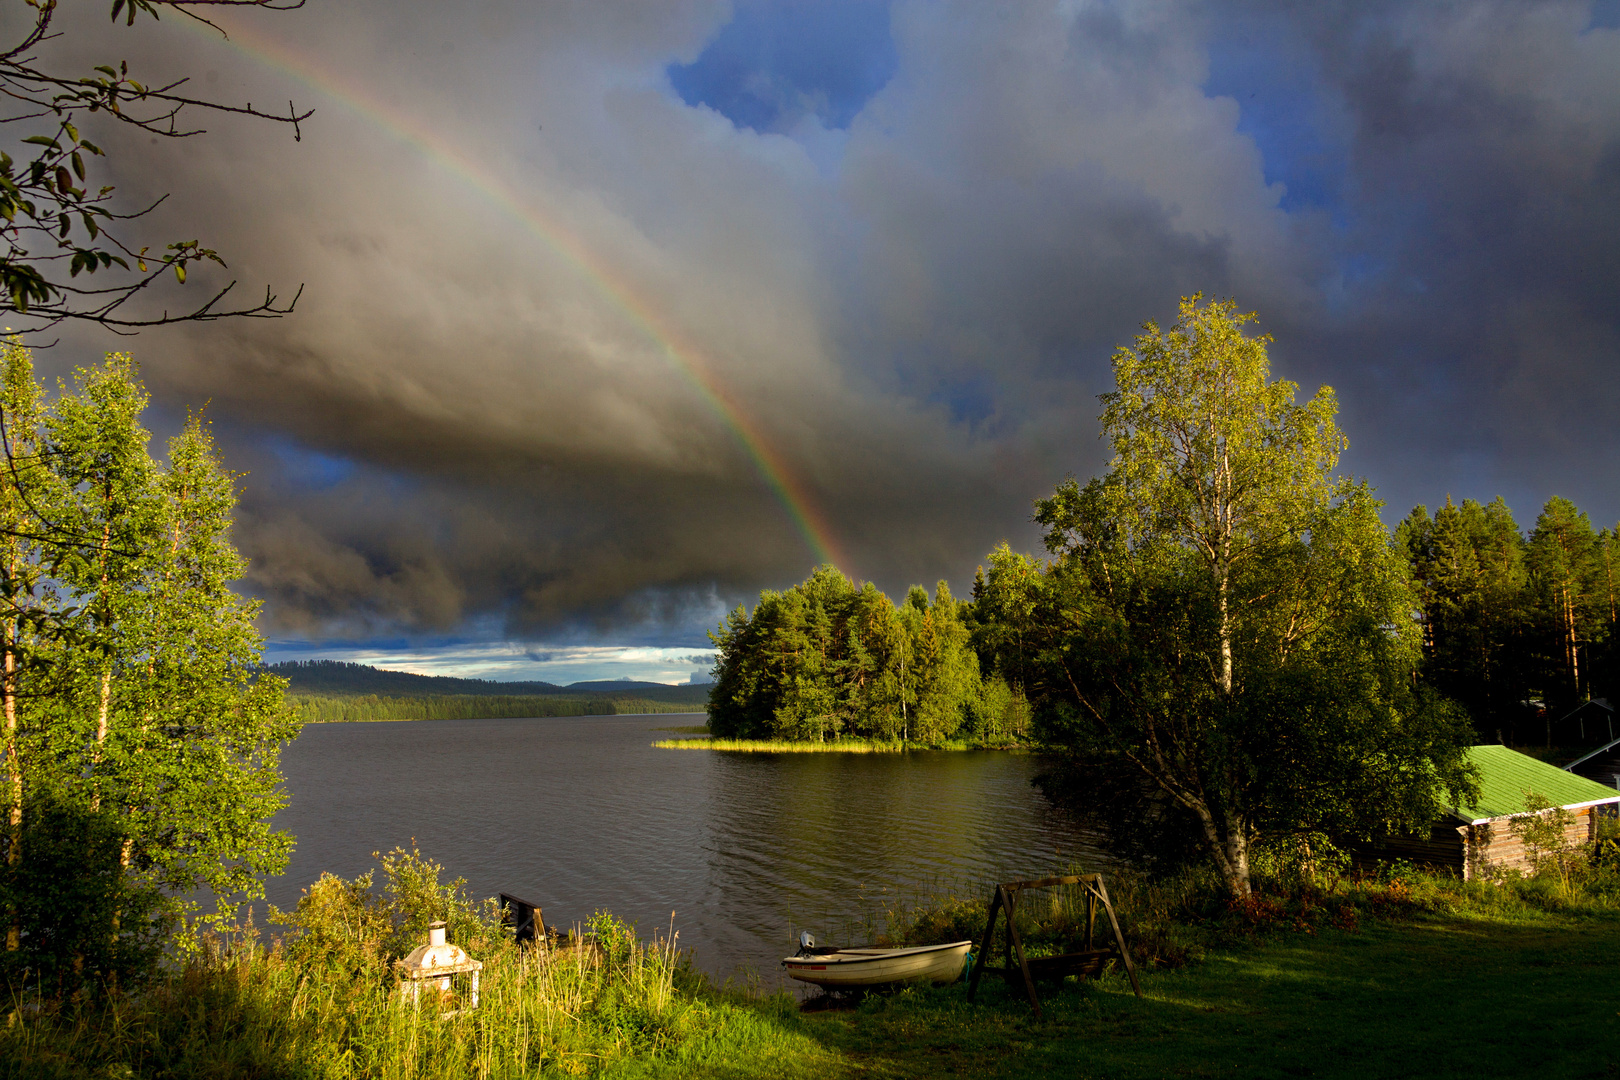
[(579, 814)]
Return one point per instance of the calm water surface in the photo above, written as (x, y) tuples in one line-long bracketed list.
[(581, 813)]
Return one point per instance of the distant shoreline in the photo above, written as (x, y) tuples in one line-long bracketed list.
[(330, 691), (368, 708), (843, 746), (564, 716)]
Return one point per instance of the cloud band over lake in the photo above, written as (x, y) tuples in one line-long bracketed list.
[(616, 313)]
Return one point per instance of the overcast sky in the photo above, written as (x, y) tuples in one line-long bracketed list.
[(893, 246)]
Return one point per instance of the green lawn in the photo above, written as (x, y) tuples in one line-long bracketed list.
[(1453, 996)]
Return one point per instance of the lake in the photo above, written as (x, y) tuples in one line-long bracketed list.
[(582, 813)]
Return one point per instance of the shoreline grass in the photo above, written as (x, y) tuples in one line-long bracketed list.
[(1328, 974), (257, 1011), (840, 746), (322, 1002)]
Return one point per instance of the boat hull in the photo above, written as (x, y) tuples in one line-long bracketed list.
[(938, 964)]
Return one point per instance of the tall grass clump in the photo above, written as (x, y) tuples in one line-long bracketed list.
[(321, 999)]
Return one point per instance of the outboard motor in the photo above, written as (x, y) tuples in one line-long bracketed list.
[(808, 946)]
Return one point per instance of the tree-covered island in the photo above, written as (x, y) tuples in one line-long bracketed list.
[(827, 661)]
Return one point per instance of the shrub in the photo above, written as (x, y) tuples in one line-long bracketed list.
[(86, 925), (1544, 832), (1606, 845)]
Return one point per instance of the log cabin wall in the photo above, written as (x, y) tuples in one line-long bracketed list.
[(1491, 846)]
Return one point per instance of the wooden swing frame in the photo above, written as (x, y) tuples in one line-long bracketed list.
[(1090, 961)]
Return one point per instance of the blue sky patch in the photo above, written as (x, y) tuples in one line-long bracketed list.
[(309, 468), (776, 63), (1286, 112)]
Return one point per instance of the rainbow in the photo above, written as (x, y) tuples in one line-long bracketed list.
[(683, 356)]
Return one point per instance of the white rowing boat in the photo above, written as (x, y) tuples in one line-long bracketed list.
[(837, 968)]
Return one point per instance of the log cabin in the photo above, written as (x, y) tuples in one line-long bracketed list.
[(1476, 841)]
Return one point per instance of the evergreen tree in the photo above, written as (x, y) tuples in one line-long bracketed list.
[(1517, 630), (1565, 566), (1606, 656), (1468, 568)]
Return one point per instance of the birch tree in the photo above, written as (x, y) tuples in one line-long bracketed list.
[(1225, 614), (141, 741), (60, 217), (1210, 454), (26, 494)]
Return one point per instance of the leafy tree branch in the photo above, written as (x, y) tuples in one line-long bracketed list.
[(65, 252)]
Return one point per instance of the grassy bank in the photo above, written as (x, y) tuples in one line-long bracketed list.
[(1460, 995), (838, 746), (323, 709), (1319, 974), (1400, 976)]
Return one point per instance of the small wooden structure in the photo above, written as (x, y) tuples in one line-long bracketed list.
[(523, 917), (528, 926), (432, 966), (1587, 724), (1086, 963), (1601, 766)]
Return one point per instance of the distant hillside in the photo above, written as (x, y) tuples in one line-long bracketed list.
[(339, 679), (349, 708), (617, 687)]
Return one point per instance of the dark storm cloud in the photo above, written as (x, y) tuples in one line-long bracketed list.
[(910, 282), (1484, 170)]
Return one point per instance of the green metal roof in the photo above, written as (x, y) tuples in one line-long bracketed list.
[(1505, 775)]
